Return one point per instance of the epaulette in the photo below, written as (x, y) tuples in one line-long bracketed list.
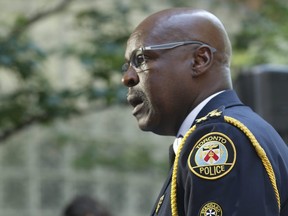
[(217, 113)]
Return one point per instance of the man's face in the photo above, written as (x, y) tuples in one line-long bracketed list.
[(158, 90)]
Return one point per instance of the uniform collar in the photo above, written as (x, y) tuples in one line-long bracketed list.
[(190, 119), (192, 115)]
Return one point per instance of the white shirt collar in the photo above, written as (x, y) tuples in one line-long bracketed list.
[(190, 119)]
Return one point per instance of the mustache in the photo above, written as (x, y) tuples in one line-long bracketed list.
[(136, 96), (136, 93)]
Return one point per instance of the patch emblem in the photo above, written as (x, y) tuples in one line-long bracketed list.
[(211, 209), (213, 156)]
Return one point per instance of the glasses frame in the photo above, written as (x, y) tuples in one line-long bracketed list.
[(164, 46)]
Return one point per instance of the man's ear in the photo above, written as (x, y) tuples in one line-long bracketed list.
[(203, 58)]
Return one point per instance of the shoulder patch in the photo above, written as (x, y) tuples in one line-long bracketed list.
[(213, 156), (211, 208)]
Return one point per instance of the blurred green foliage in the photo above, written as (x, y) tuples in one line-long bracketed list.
[(136, 158), (33, 98), (262, 38)]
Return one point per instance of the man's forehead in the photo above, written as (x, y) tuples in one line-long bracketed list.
[(135, 41)]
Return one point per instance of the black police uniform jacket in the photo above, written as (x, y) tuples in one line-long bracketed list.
[(231, 162)]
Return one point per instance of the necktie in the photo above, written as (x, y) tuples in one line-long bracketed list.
[(171, 155)]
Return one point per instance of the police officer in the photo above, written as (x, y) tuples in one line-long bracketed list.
[(228, 161)]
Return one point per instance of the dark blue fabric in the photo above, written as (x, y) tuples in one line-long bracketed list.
[(246, 190), (284, 209)]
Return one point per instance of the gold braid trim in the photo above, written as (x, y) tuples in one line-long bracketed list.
[(173, 197), (260, 151)]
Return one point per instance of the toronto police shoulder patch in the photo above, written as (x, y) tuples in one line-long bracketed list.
[(213, 156), (211, 209)]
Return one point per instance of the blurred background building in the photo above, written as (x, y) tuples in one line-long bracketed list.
[(58, 140)]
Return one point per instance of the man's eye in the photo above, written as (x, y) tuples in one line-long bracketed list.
[(139, 59)]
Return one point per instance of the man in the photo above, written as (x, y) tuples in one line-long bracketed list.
[(229, 161)]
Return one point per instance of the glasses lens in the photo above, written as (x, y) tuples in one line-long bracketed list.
[(137, 58), (125, 67)]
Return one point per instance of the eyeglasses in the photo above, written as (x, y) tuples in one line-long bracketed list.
[(137, 58)]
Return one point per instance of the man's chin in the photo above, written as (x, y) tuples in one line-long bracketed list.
[(144, 127), (144, 124), (155, 127)]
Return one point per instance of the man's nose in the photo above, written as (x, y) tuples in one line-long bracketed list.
[(130, 78)]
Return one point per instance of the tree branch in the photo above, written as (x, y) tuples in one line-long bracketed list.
[(18, 30), (9, 132)]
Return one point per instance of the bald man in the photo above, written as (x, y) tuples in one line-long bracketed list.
[(228, 161)]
